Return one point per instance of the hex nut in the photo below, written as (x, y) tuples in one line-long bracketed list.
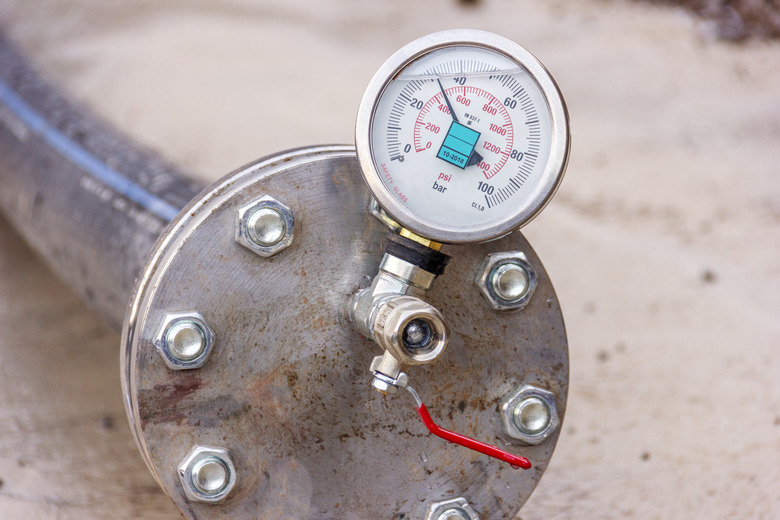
[(539, 401), (452, 509), (498, 267), (195, 338), (216, 465), (383, 386), (265, 226)]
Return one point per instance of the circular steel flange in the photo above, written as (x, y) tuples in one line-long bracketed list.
[(287, 388)]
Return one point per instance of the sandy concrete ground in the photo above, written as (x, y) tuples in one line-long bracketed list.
[(663, 242)]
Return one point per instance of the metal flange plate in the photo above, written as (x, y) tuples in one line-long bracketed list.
[(286, 388)]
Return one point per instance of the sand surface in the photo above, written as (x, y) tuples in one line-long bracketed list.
[(663, 242)]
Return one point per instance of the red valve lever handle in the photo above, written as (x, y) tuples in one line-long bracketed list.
[(473, 444)]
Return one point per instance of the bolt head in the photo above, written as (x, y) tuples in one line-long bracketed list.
[(184, 340), (510, 281), (507, 280), (529, 414), (453, 509), (265, 226), (207, 474), (210, 475)]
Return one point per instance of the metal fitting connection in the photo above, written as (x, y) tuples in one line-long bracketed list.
[(410, 329), (265, 226), (184, 341), (207, 474), (392, 313), (453, 509), (396, 278), (407, 273), (382, 216), (529, 414), (506, 280)]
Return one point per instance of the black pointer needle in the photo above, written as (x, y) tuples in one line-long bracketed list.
[(447, 100), (475, 157)]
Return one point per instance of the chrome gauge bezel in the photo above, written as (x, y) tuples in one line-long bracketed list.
[(553, 171)]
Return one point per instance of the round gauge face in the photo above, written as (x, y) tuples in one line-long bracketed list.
[(462, 136)]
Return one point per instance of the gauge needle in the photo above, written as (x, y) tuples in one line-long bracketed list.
[(447, 100), (475, 158)]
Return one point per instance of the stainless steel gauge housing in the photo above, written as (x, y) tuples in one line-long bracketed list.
[(448, 194)]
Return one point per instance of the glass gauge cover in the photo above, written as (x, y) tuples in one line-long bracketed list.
[(462, 136)]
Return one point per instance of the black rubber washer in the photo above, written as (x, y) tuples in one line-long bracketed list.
[(415, 253)]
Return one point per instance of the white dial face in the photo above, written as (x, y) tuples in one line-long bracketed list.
[(461, 137)]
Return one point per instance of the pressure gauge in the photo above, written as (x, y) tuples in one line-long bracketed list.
[(462, 136)]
